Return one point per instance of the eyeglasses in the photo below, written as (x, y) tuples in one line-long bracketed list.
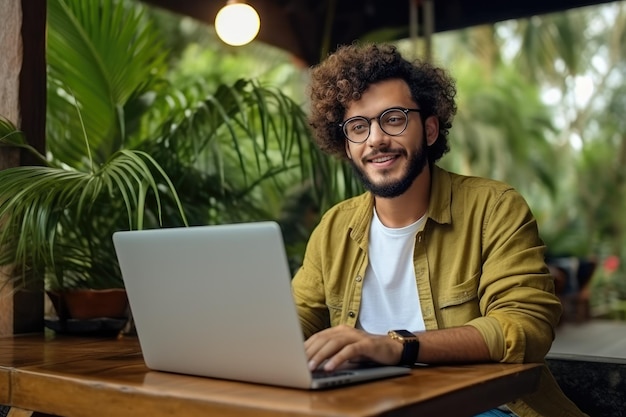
[(392, 121)]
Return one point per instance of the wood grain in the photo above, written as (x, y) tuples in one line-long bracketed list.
[(5, 375), (17, 412), (77, 377)]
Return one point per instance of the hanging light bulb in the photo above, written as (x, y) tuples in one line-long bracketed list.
[(237, 23)]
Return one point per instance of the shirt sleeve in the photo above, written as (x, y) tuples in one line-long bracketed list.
[(516, 291), (308, 288)]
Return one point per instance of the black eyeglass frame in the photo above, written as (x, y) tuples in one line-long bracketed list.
[(406, 111)]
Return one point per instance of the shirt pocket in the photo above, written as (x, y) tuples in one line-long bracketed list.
[(459, 304)]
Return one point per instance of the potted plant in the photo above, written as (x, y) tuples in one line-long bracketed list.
[(58, 218), (57, 223), (127, 148)]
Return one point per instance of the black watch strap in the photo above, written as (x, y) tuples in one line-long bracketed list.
[(410, 346), (410, 351)]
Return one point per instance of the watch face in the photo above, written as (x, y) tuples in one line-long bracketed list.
[(404, 333)]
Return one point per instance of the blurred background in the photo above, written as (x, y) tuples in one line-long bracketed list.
[(541, 106)]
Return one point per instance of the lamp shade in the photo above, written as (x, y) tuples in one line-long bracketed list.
[(237, 23)]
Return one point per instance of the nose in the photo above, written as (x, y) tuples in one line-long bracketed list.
[(377, 137)]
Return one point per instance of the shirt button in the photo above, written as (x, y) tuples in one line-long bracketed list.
[(359, 278), (351, 314)]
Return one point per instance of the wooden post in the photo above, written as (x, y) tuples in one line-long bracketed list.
[(23, 102)]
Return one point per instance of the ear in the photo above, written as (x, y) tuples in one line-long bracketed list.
[(432, 129)]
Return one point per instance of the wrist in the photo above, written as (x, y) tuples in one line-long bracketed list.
[(409, 343)]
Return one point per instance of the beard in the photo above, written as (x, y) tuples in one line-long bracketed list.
[(389, 188)]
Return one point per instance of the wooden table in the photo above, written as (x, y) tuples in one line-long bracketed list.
[(69, 376)]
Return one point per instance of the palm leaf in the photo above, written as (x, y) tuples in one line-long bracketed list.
[(240, 136), (42, 207), (102, 56)]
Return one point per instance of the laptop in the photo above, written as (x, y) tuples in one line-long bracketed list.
[(215, 301)]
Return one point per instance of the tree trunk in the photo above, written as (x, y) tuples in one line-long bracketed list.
[(23, 102)]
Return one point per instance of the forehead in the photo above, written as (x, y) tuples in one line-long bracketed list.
[(381, 96)]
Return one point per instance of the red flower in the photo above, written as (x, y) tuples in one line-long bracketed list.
[(611, 263)]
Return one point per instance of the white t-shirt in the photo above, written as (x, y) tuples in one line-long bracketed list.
[(390, 299)]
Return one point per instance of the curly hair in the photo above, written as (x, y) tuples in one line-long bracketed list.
[(348, 72)]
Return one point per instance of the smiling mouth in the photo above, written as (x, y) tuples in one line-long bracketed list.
[(382, 158)]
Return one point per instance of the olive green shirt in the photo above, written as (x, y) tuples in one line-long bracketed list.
[(478, 261)]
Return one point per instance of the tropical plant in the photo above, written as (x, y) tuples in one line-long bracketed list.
[(59, 217), (127, 148), (583, 72), (541, 104), (58, 221)]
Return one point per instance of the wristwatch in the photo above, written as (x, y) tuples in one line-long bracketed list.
[(411, 345)]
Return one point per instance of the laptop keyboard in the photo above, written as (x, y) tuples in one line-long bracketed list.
[(325, 374)]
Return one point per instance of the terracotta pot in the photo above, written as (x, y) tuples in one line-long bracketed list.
[(89, 304)]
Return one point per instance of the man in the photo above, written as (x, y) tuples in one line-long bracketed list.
[(453, 265)]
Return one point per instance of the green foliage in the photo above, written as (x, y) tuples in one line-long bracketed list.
[(129, 148), (502, 127), (228, 127), (586, 216), (58, 221), (566, 154), (104, 58), (209, 73)]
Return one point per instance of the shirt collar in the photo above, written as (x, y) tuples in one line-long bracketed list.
[(439, 207)]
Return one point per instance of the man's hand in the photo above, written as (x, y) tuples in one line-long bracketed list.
[(340, 344)]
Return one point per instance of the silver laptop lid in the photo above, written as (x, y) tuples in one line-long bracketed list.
[(215, 301)]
